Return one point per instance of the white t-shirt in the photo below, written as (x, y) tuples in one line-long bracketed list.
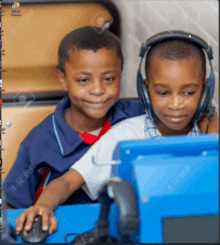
[(141, 127)]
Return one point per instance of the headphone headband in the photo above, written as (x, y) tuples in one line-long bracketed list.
[(176, 35)]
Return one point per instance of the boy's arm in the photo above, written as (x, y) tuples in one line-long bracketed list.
[(95, 166), (213, 125), (95, 175), (54, 194), (58, 190), (82, 174)]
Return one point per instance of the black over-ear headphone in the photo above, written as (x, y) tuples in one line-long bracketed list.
[(208, 91), (126, 198)]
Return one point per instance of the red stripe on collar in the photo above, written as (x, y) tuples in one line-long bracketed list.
[(90, 139)]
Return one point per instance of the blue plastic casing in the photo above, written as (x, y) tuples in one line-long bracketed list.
[(174, 177)]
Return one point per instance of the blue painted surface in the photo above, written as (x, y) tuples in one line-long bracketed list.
[(166, 148), (182, 180), (179, 188), (71, 219), (174, 177)]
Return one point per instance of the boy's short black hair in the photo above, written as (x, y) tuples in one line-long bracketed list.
[(174, 49), (90, 38)]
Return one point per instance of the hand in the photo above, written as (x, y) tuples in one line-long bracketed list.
[(37, 210)]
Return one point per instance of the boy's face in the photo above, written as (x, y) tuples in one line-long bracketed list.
[(175, 88), (92, 81)]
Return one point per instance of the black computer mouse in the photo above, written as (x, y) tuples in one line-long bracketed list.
[(36, 234)]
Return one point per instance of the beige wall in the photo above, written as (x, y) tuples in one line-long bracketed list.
[(142, 19)]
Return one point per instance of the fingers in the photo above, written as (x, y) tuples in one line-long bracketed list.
[(29, 221), (53, 224), (45, 220), (20, 222), (29, 215)]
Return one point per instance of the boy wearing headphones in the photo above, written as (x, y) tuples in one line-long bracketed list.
[(175, 95)]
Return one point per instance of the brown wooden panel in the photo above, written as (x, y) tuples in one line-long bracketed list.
[(23, 121), (31, 42)]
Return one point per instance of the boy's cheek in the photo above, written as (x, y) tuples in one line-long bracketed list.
[(114, 91), (116, 87), (158, 104)]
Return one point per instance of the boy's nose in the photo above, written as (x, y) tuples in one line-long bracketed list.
[(97, 88), (176, 102)]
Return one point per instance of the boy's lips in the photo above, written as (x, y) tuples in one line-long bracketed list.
[(178, 116), (175, 119), (97, 104)]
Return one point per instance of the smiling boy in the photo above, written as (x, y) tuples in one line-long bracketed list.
[(175, 77), (89, 98), (90, 67)]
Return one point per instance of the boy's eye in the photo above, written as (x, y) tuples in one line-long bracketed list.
[(189, 93), (109, 79), (162, 93), (82, 80)]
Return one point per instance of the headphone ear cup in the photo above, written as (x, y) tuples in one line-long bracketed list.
[(146, 100), (143, 95), (203, 104)]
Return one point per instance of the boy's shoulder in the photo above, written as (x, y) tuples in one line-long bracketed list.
[(129, 128), (137, 123), (128, 104), (41, 132), (129, 107), (46, 130)]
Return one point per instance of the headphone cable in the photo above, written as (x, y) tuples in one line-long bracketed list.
[(210, 115), (76, 234)]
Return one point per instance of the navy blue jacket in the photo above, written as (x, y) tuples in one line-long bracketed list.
[(56, 145)]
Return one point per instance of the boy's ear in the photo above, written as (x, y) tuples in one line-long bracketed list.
[(146, 82), (62, 79)]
